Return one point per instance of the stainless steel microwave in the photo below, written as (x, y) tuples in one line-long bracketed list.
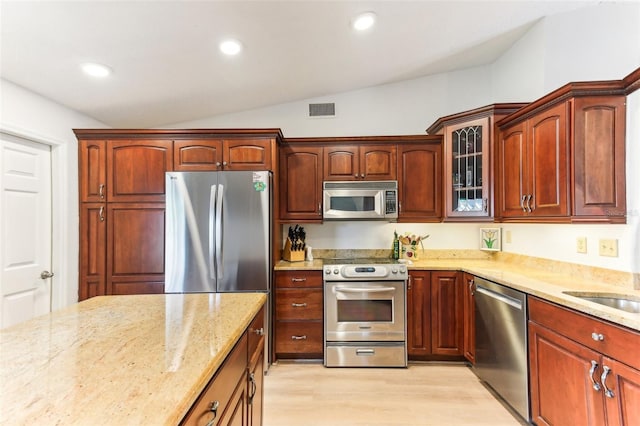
[(360, 200)]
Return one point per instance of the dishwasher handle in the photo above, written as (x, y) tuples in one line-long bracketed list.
[(500, 297)]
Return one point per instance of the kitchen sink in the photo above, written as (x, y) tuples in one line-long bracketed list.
[(618, 301)]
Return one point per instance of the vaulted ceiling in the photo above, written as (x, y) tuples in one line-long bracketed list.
[(167, 67)]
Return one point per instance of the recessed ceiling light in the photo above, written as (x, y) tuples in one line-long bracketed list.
[(364, 21), (96, 70), (230, 47)]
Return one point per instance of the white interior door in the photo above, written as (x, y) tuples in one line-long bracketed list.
[(25, 227)]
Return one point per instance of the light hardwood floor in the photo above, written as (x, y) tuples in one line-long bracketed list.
[(423, 394)]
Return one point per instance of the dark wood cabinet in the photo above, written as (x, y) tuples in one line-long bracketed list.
[(598, 147), (300, 173), (562, 157), (446, 313), (92, 163), (469, 318), (420, 181), (212, 154), (584, 363), (468, 175), (135, 248), (93, 246), (136, 168), (419, 314), (234, 396), (360, 162), (533, 166), (434, 315), (298, 316)]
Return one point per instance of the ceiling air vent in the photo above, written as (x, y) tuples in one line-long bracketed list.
[(322, 110)]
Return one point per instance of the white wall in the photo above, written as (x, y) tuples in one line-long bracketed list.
[(595, 43), (30, 116)]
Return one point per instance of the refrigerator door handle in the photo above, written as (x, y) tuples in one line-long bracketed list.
[(219, 236), (212, 228)]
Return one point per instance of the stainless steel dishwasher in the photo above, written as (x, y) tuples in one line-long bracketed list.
[(501, 343)]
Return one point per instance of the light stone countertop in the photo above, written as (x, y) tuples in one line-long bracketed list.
[(542, 281), (125, 360)]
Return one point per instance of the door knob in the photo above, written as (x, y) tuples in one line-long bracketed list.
[(46, 274)]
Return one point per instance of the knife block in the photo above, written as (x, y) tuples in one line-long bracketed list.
[(290, 255)]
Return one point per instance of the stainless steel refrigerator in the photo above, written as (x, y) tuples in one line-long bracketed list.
[(218, 233)]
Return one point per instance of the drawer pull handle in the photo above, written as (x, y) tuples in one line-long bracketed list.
[(254, 387), (603, 379), (214, 410), (598, 337), (101, 191), (596, 385), (298, 280), (299, 305), (303, 337)]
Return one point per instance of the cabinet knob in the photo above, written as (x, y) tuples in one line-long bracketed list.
[(224, 163), (258, 331), (218, 164), (598, 337)]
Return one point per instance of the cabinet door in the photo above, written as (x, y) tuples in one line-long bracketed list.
[(136, 169), (197, 155), (419, 183), (301, 183), (419, 314), (599, 157), (378, 162), (135, 248), (467, 176), (247, 154), (563, 375), (511, 171), (446, 313), (93, 170), (547, 151), (341, 162), (623, 400), (469, 309), (255, 387), (93, 244)]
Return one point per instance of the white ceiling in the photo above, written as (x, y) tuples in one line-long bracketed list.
[(167, 67)]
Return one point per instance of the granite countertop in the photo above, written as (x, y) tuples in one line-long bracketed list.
[(537, 280), (119, 359)]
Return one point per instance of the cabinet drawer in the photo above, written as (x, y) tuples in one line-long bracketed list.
[(617, 342), (293, 337), (294, 279), (221, 387), (299, 304)]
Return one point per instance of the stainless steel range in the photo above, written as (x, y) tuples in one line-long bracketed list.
[(365, 313)]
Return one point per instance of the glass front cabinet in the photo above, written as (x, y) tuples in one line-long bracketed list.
[(467, 161)]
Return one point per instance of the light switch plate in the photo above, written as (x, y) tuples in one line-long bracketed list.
[(608, 248), (581, 244)]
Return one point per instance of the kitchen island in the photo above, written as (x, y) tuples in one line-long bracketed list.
[(122, 360)]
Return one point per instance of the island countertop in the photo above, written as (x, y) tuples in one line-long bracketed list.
[(122, 360)]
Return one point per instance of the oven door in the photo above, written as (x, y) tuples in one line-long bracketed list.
[(365, 311)]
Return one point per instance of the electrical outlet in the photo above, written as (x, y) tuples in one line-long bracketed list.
[(608, 248), (581, 244), (507, 236)]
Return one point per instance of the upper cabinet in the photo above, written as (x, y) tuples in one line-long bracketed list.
[(420, 180), (360, 162), (223, 154), (300, 175), (562, 157), (467, 173)]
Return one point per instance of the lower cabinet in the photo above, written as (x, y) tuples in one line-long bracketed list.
[(469, 318), (434, 315), (298, 318), (584, 371), (234, 397)]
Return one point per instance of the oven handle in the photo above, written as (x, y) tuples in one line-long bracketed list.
[(365, 290)]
